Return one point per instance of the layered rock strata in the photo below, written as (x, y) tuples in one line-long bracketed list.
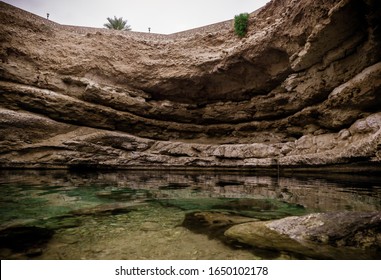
[(303, 88)]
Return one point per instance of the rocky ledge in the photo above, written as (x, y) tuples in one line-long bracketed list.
[(334, 235), (302, 89)]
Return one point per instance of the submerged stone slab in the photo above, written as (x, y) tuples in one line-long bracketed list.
[(262, 209), (213, 224), (110, 208)]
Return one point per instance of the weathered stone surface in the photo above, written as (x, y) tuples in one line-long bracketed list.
[(301, 89), (319, 235)]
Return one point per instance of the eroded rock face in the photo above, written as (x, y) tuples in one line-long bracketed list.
[(301, 89)]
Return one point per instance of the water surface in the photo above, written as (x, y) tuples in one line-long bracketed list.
[(139, 214)]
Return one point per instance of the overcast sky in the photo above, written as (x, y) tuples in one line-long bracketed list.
[(163, 16)]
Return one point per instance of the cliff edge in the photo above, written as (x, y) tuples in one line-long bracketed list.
[(302, 89)]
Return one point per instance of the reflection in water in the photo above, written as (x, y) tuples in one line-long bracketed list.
[(97, 215)]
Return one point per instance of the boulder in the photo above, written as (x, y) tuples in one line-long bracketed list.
[(336, 235)]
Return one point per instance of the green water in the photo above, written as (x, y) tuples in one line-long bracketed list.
[(139, 214)]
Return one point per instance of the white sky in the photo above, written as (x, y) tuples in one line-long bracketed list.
[(163, 16)]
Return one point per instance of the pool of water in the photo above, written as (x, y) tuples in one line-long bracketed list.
[(59, 214)]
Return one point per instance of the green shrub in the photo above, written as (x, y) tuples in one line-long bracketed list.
[(240, 24)]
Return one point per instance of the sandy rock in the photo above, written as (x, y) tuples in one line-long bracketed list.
[(300, 90)]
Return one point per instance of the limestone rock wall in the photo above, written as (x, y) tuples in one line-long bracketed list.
[(303, 88)]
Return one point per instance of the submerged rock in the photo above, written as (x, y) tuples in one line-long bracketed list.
[(338, 235), (262, 209), (213, 224), (59, 222), (26, 240), (110, 208), (150, 226)]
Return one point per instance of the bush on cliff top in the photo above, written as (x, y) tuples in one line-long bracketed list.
[(117, 24), (240, 24)]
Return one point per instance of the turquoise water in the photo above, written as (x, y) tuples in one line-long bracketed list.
[(139, 214)]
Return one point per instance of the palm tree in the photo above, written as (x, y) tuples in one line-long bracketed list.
[(117, 24)]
